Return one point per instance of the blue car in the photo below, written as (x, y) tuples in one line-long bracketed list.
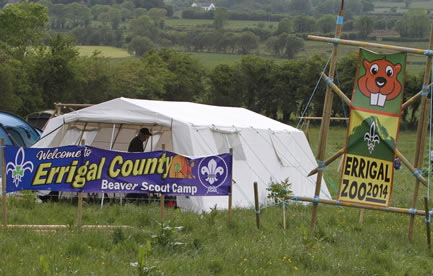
[(16, 131)]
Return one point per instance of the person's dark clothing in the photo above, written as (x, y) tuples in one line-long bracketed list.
[(136, 145)]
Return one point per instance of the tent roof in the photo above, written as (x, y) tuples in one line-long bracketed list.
[(133, 111)]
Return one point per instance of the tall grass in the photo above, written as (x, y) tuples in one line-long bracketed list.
[(208, 244)]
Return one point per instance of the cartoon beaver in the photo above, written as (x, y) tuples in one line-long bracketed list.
[(380, 81)]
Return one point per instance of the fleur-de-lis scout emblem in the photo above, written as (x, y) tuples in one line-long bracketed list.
[(19, 167), (371, 137)]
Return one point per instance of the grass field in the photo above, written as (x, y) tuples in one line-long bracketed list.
[(105, 51), (207, 244)]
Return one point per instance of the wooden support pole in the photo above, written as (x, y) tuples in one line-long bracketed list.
[(326, 115), (366, 44), (284, 215), (421, 132), (231, 191), (427, 222), (328, 161), (4, 198), (357, 205), (161, 199), (256, 200), (336, 90)]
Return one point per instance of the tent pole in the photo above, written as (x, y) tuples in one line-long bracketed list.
[(231, 191), (421, 132), (326, 115), (162, 198), (427, 222), (4, 203)]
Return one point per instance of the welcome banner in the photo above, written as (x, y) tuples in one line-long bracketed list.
[(93, 170), (368, 171)]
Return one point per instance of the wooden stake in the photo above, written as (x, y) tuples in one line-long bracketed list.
[(427, 222), (256, 200), (80, 199), (231, 191), (326, 115), (284, 215), (161, 199), (361, 216), (4, 199)]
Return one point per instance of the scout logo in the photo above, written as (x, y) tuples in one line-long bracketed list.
[(380, 81), (371, 137), (211, 174), (19, 167)]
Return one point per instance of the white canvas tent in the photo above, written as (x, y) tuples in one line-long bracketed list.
[(263, 149)]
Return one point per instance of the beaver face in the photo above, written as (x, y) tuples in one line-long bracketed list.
[(380, 78)]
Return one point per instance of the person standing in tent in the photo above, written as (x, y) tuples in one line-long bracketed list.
[(136, 144)]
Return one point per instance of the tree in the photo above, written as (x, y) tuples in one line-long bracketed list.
[(22, 27), (247, 41), (78, 14), (303, 24), (221, 16), (284, 26), (148, 4), (365, 25), (300, 7), (223, 86), (140, 45), (326, 23), (414, 24), (143, 26), (293, 45)]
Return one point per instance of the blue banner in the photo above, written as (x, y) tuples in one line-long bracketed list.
[(93, 170)]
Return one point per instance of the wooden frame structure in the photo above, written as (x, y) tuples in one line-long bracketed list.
[(326, 117)]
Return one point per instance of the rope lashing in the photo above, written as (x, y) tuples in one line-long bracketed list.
[(427, 220), (337, 203), (315, 199), (295, 198), (322, 165), (340, 20), (257, 211), (428, 52), (335, 41), (425, 90), (418, 174), (412, 211), (329, 80)]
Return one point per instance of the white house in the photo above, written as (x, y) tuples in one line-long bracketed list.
[(204, 6)]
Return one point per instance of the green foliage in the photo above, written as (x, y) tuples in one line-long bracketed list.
[(143, 255), (414, 24), (221, 16), (279, 191)]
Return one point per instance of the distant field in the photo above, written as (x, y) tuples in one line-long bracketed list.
[(106, 51), (210, 60), (231, 24)]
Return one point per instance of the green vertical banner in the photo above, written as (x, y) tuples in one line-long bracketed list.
[(368, 170)]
